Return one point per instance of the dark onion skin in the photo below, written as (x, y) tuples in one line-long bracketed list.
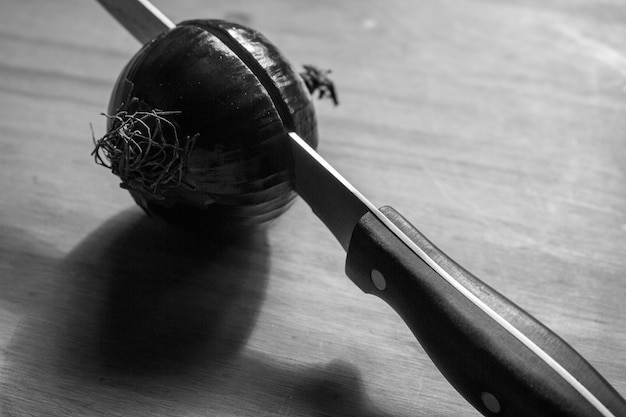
[(232, 91)]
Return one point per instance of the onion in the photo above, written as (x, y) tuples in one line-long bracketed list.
[(197, 123)]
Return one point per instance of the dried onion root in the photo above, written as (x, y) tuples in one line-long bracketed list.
[(144, 150)]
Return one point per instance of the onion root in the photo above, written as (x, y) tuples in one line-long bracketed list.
[(144, 150)]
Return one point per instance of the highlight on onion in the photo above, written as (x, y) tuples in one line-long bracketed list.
[(196, 126)]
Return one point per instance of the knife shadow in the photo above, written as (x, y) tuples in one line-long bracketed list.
[(144, 318)]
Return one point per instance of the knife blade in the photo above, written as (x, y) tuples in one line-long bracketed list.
[(140, 18), (332, 198), (501, 359)]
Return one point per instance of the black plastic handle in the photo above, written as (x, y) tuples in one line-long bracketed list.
[(501, 359)]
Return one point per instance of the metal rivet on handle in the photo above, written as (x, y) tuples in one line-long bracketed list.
[(378, 279), (491, 402)]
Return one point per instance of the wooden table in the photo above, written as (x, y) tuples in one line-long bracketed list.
[(498, 129)]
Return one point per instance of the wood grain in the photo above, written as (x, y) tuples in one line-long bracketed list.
[(497, 129)]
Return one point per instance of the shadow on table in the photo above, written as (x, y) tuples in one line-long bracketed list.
[(143, 319), (171, 299)]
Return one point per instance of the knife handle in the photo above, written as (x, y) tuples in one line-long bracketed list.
[(501, 359)]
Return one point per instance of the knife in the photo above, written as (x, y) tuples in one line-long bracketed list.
[(501, 359)]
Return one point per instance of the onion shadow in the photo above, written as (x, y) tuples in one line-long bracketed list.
[(156, 300)]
